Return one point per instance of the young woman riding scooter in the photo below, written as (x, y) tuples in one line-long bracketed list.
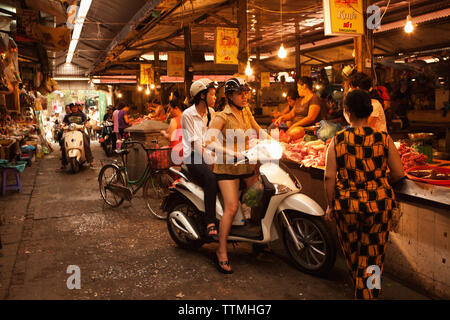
[(238, 117)]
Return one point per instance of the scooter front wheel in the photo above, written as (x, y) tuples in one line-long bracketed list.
[(317, 254), (74, 165)]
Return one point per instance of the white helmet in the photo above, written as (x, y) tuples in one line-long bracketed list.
[(201, 85)]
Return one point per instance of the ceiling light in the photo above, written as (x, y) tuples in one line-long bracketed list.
[(248, 69), (78, 26), (282, 52), (409, 27)]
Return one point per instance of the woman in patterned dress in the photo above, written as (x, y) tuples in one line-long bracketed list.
[(359, 195)]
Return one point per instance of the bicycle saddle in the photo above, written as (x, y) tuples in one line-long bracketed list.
[(122, 151)]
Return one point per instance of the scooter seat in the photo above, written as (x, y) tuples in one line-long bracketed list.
[(189, 176)]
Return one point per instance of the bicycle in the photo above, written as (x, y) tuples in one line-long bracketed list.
[(116, 186)]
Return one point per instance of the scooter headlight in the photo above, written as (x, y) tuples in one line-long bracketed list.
[(281, 188), (72, 127)]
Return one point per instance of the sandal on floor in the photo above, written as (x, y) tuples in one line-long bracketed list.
[(210, 231), (223, 263)]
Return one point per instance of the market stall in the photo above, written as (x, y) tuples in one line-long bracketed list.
[(419, 236)]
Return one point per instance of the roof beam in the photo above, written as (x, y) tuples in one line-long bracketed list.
[(220, 18), (130, 26)]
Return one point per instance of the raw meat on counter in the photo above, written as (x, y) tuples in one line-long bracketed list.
[(309, 154), (410, 157)]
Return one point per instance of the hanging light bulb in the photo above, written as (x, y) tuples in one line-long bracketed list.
[(139, 88), (282, 52), (147, 92), (152, 86), (248, 70), (119, 95), (409, 27)]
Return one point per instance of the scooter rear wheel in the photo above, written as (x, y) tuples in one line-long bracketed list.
[(180, 238), (318, 255)]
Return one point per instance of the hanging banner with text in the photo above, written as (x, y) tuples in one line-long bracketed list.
[(305, 70), (343, 17), (147, 75), (227, 45), (265, 79), (175, 64)]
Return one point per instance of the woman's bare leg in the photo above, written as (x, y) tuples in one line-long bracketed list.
[(230, 194)]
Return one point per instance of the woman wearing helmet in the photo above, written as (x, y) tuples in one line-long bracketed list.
[(194, 123), (237, 118)]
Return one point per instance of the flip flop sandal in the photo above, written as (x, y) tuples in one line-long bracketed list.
[(211, 229), (223, 263)]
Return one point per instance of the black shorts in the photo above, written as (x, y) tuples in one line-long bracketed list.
[(220, 176)]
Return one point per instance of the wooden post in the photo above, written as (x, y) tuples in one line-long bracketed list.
[(258, 79), (188, 75), (364, 47), (297, 50), (242, 23)]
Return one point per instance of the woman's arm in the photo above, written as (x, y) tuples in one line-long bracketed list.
[(313, 113), (394, 161), (212, 142), (330, 174), (285, 117), (171, 129), (125, 117)]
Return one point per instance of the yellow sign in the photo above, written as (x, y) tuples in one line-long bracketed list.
[(227, 45), (147, 74), (305, 70), (265, 79), (175, 64), (343, 17)]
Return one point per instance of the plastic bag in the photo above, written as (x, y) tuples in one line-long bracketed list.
[(327, 129), (254, 194)]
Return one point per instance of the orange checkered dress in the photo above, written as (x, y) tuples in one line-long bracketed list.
[(363, 202)]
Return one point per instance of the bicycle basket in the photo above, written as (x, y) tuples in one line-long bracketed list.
[(160, 158)]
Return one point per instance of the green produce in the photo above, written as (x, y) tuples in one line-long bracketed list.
[(309, 137)]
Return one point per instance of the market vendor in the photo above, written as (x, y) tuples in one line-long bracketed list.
[(293, 100), (159, 113), (308, 111)]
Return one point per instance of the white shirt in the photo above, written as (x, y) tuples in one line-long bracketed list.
[(194, 129), (378, 114)]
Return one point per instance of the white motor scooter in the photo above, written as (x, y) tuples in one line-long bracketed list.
[(287, 213), (73, 143)]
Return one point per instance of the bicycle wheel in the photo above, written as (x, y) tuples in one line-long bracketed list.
[(110, 175), (156, 188)]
